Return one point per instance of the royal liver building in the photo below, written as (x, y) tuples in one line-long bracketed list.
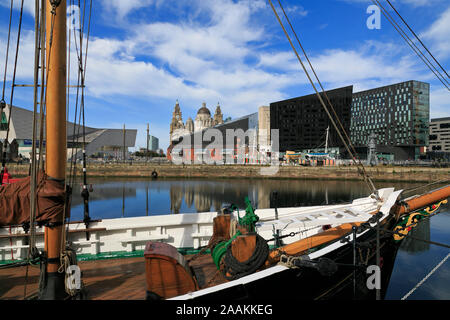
[(202, 121)]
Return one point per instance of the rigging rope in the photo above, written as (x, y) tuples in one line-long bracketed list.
[(415, 35), (426, 185), (81, 76), (426, 277), (42, 94), (364, 173), (2, 101), (410, 42), (12, 95), (323, 90)]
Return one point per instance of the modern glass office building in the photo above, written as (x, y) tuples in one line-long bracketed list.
[(397, 114), (153, 143), (302, 122)]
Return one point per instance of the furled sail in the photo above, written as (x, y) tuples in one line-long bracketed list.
[(15, 201)]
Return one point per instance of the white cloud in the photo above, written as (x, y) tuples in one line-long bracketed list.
[(28, 6), (121, 8), (414, 3), (439, 102), (209, 61), (438, 33), (369, 65)]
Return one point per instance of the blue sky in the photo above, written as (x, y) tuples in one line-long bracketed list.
[(146, 54)]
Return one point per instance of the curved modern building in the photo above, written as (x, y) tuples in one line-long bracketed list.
[(99, 142)]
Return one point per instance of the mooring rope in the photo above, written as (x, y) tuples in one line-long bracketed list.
[(426, 277)]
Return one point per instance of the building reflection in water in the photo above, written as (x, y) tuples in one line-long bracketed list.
[(421, 231), (138, 197), (207, 196)]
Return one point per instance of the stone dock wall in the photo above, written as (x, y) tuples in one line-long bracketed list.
[(378, 173)]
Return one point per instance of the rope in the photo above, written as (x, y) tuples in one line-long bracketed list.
[(2, 101), (426, 277), (12, 95), (418, 239), (42, 94), (212, 243), (32, 250), (326, 95), (69, 258), (365, 175), (415, 35), (410, 42), (238, 269), (426, 185)]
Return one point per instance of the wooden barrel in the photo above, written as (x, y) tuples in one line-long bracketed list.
[(167, 272)]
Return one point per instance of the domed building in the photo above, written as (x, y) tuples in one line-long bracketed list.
[(203, 120)]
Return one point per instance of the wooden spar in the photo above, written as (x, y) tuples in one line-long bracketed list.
[(331, 234), (56, 132), (302, 245), (422, 201), (56, 97)]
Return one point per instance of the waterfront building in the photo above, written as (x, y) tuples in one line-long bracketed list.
[(440, 134), (99, 142), (264, 143), (235, 138), (153, 143), (203, 120), (398, 116), (302, 122)]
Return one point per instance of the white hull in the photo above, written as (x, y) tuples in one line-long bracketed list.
[(191, 230), (389, 200)]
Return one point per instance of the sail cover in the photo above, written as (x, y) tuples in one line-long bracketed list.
[(15, 201)]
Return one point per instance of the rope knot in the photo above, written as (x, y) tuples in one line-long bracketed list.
[(55, 4)]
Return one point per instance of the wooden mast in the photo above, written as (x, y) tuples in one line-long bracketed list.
[(56, 134)]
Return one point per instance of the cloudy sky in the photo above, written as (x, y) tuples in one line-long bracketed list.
[(146, 54)]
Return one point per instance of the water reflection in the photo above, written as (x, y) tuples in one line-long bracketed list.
[(115, 198), (128, 198), (421, 231), (415, 259)]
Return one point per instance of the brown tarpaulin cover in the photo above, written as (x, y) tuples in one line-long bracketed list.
[(15, 201)]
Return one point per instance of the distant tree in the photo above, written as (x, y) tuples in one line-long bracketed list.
[(150, 153)]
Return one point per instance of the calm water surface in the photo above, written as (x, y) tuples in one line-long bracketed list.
[(116, 198)]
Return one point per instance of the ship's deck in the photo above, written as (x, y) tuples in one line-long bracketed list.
[(110, 279)]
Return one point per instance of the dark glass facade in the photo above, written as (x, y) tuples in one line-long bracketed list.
[(302, 122), (397, 114)]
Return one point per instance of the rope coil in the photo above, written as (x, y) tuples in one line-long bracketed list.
[(234, 269)]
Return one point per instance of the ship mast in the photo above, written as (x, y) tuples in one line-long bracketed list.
[(56, 135)]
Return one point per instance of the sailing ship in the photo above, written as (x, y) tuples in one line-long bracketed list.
[(318, 252)]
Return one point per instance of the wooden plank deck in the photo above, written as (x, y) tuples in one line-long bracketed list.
[(110, 279)]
